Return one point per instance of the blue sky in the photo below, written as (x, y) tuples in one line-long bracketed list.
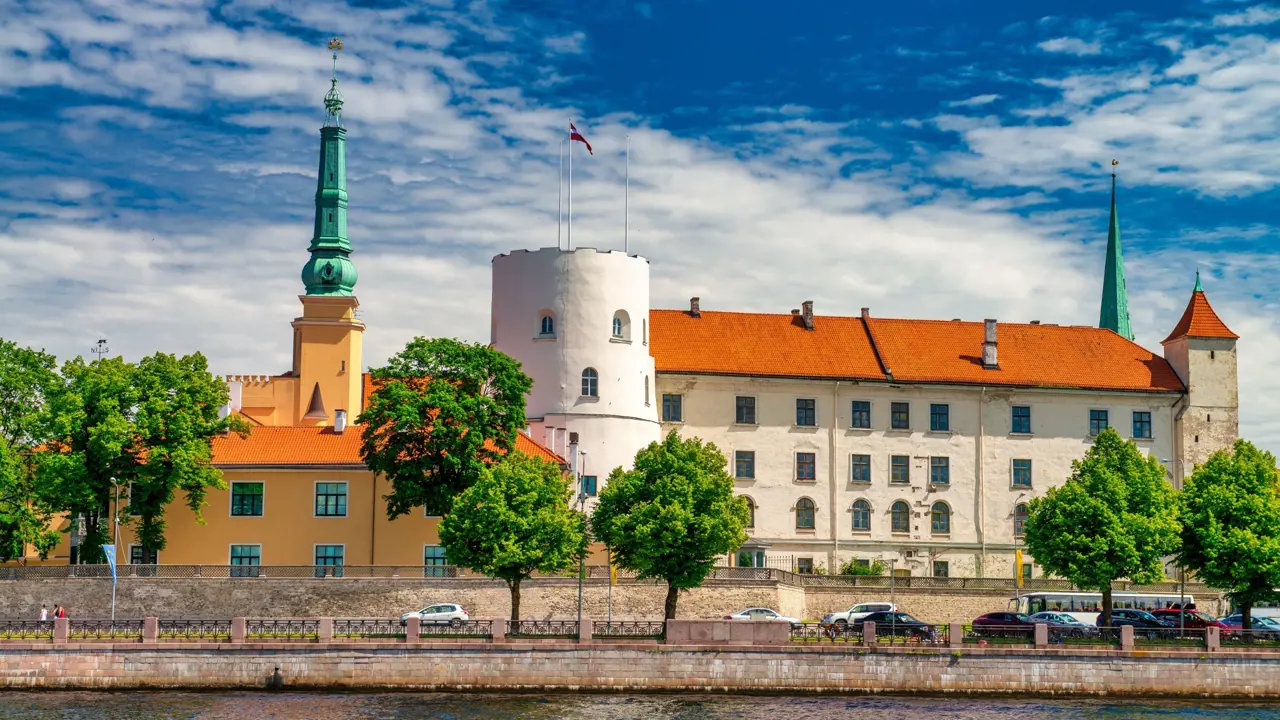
[(923, 159)]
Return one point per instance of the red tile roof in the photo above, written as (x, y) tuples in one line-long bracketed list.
[(1200, 321), (923, 351), (305, 446)]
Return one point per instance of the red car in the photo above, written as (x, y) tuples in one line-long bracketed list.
[(1192, 619)]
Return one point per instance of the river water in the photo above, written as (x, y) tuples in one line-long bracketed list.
[(447, 706)]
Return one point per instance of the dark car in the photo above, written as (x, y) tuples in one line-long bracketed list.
[(1063, 625), (1003, 624), (1188, 619), (1138, 619), (898, 624)]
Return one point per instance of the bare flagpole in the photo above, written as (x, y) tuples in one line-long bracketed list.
[(571, 187), (560, 198), (626, 205)]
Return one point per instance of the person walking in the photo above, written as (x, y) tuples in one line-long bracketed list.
[(44, 613), (62, 612)]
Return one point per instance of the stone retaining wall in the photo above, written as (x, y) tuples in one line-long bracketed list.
[(566, 666)]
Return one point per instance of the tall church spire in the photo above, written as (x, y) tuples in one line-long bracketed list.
[(1115, 297), (330, 270)]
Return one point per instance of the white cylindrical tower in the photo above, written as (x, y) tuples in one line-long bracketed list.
[(578, 321)]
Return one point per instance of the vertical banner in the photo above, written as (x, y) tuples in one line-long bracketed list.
[(110, 552), (613, 571), (1017, 566)]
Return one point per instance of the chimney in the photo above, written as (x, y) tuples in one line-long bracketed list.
[(866, 312), (694, 307), (339, 421), (807, 314), (989, 359)]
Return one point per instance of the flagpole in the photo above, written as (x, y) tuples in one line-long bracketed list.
[(560, 198), (626, 205), (571, 187)]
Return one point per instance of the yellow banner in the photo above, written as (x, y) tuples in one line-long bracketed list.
[(613, 571), (1017, 566)]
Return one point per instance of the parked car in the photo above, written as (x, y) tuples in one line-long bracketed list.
[(1261, 627), (762, 614), (897, 624), (857, 612), (1139, 619), (1188, 619), (442, 614), (1003, 624), (1063, 624)]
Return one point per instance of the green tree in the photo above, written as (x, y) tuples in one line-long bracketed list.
[(441, 411), (672, 515), (1230, 512), (514, 521), (116, 426), (26, 376), (1115, 517)]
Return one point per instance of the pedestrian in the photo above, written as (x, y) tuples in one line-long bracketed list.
[(62, 612), (44, 613)]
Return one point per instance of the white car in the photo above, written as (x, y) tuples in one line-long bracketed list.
[(442, 614), (857, 612), (761, 614)]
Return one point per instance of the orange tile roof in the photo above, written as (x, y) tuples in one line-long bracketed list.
[(923, 351), (1199, 320)]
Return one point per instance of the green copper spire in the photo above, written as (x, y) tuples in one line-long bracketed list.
[(330, 270), (1115, 297), (1197, 288)]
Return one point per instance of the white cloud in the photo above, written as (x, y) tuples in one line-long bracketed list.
[(1071, 46), (571, 44), (975, 101), (1250, 17)]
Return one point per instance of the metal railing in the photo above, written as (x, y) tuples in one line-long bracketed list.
[(1169, 637), (1261, 639), (817, 632), (281, 629), (630, 629), (104, 629), (26, 629), (457, 629), (1000, 634), (368, 628), (542, 628), (216, 630)]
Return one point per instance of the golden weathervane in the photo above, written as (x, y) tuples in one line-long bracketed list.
[(335, 45)]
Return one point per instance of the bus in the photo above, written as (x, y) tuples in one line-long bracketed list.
[(1087, 606)]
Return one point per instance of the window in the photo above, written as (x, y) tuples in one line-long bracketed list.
[(617, 327), (547, 326), (644, 331), (860, 468), (804, 566), (672, 408), (900, 416), (751, 510), (939, 418), (899, 469), (804, 514), (1142, 425), (434, 562), (246, 499), (806, 413), (243, 557), (1022, 419), (1098, 421), (138, 557), (941, 568), (860, 415), (744, 410), (329, 556), (861, 516), (1022, 473), (331, 499), (939, 471), (646, 391), (590, 383), (1019, 519), (806, 466), (744, 464), (589, 485), (900, 517), (621, 325), (941, 518), (1026, 571)]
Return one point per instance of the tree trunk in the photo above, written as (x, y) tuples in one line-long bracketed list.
[(1246, 615), (673, 593), (515, 599), (1106, 606)]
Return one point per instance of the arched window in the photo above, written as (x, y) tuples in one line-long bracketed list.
[(547, 326), (862, 515), (646, 391), (751, 510), (941, 518), (1019, 519), (621, 325), (804, 514), (590, 383), (900, 517)]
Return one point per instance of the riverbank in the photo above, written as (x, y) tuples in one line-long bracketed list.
[(639, 666)]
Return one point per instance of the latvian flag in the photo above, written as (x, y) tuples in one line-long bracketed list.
[(575, 135)]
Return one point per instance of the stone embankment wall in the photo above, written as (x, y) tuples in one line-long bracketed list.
[(540, 599), (622, 667)]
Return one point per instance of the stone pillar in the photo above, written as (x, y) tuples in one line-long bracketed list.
[(869, 633), (584, 630), (956, 636), (1213, 638), (326, 630), (1126, 637), (498, 631), (1042, 635), (413, 630), (238, 631), (60, 632), (150, 629)]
